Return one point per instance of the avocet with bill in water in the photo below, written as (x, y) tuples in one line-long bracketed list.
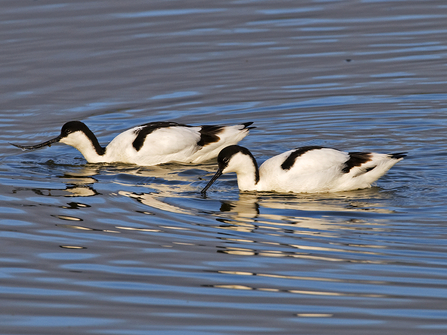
[(310, 169)]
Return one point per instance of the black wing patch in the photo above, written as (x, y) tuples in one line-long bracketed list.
[(149, 128), (288, 163), (356, 159), (209, 134)]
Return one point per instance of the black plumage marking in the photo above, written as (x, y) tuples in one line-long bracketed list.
[(74, 126), (356, 159), (247, 124), (225, 155), (209, 134), (398, 155), (149, 128), (290, 161)]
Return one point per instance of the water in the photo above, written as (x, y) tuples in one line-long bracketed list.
[(119, 249)]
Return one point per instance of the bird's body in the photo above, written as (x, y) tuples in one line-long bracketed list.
[(309, 169), (152, 143)]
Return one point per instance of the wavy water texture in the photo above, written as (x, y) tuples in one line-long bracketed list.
[(122, 249)]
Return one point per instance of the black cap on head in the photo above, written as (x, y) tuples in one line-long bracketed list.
[(226, 153), (223, 159), (73, 126)]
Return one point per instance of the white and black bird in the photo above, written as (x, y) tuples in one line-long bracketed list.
[(309, 169), (151, 143)]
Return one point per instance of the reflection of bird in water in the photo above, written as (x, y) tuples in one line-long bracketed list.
[(319, 214), (293, 205), (158, 185), (81, 191), (152, 143), (156, 200), (310, 169), (246, 207), (167, 184)]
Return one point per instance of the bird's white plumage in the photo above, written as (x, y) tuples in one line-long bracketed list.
[(151, 144), (313, 171), (233, 134), (168, 144), (321, 171)]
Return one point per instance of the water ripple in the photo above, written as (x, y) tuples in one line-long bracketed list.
[(119, 249)]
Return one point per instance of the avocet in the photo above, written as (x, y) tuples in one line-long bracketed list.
[(152, 143), (309, 169)]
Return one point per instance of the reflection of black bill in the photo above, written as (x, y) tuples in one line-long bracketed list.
[(37, 146), (217, 175)]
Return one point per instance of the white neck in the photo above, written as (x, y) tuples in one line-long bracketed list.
[(246, 170), (246, 181), (88, 146)]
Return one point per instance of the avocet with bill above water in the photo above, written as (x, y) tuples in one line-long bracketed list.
[(151, 143)]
